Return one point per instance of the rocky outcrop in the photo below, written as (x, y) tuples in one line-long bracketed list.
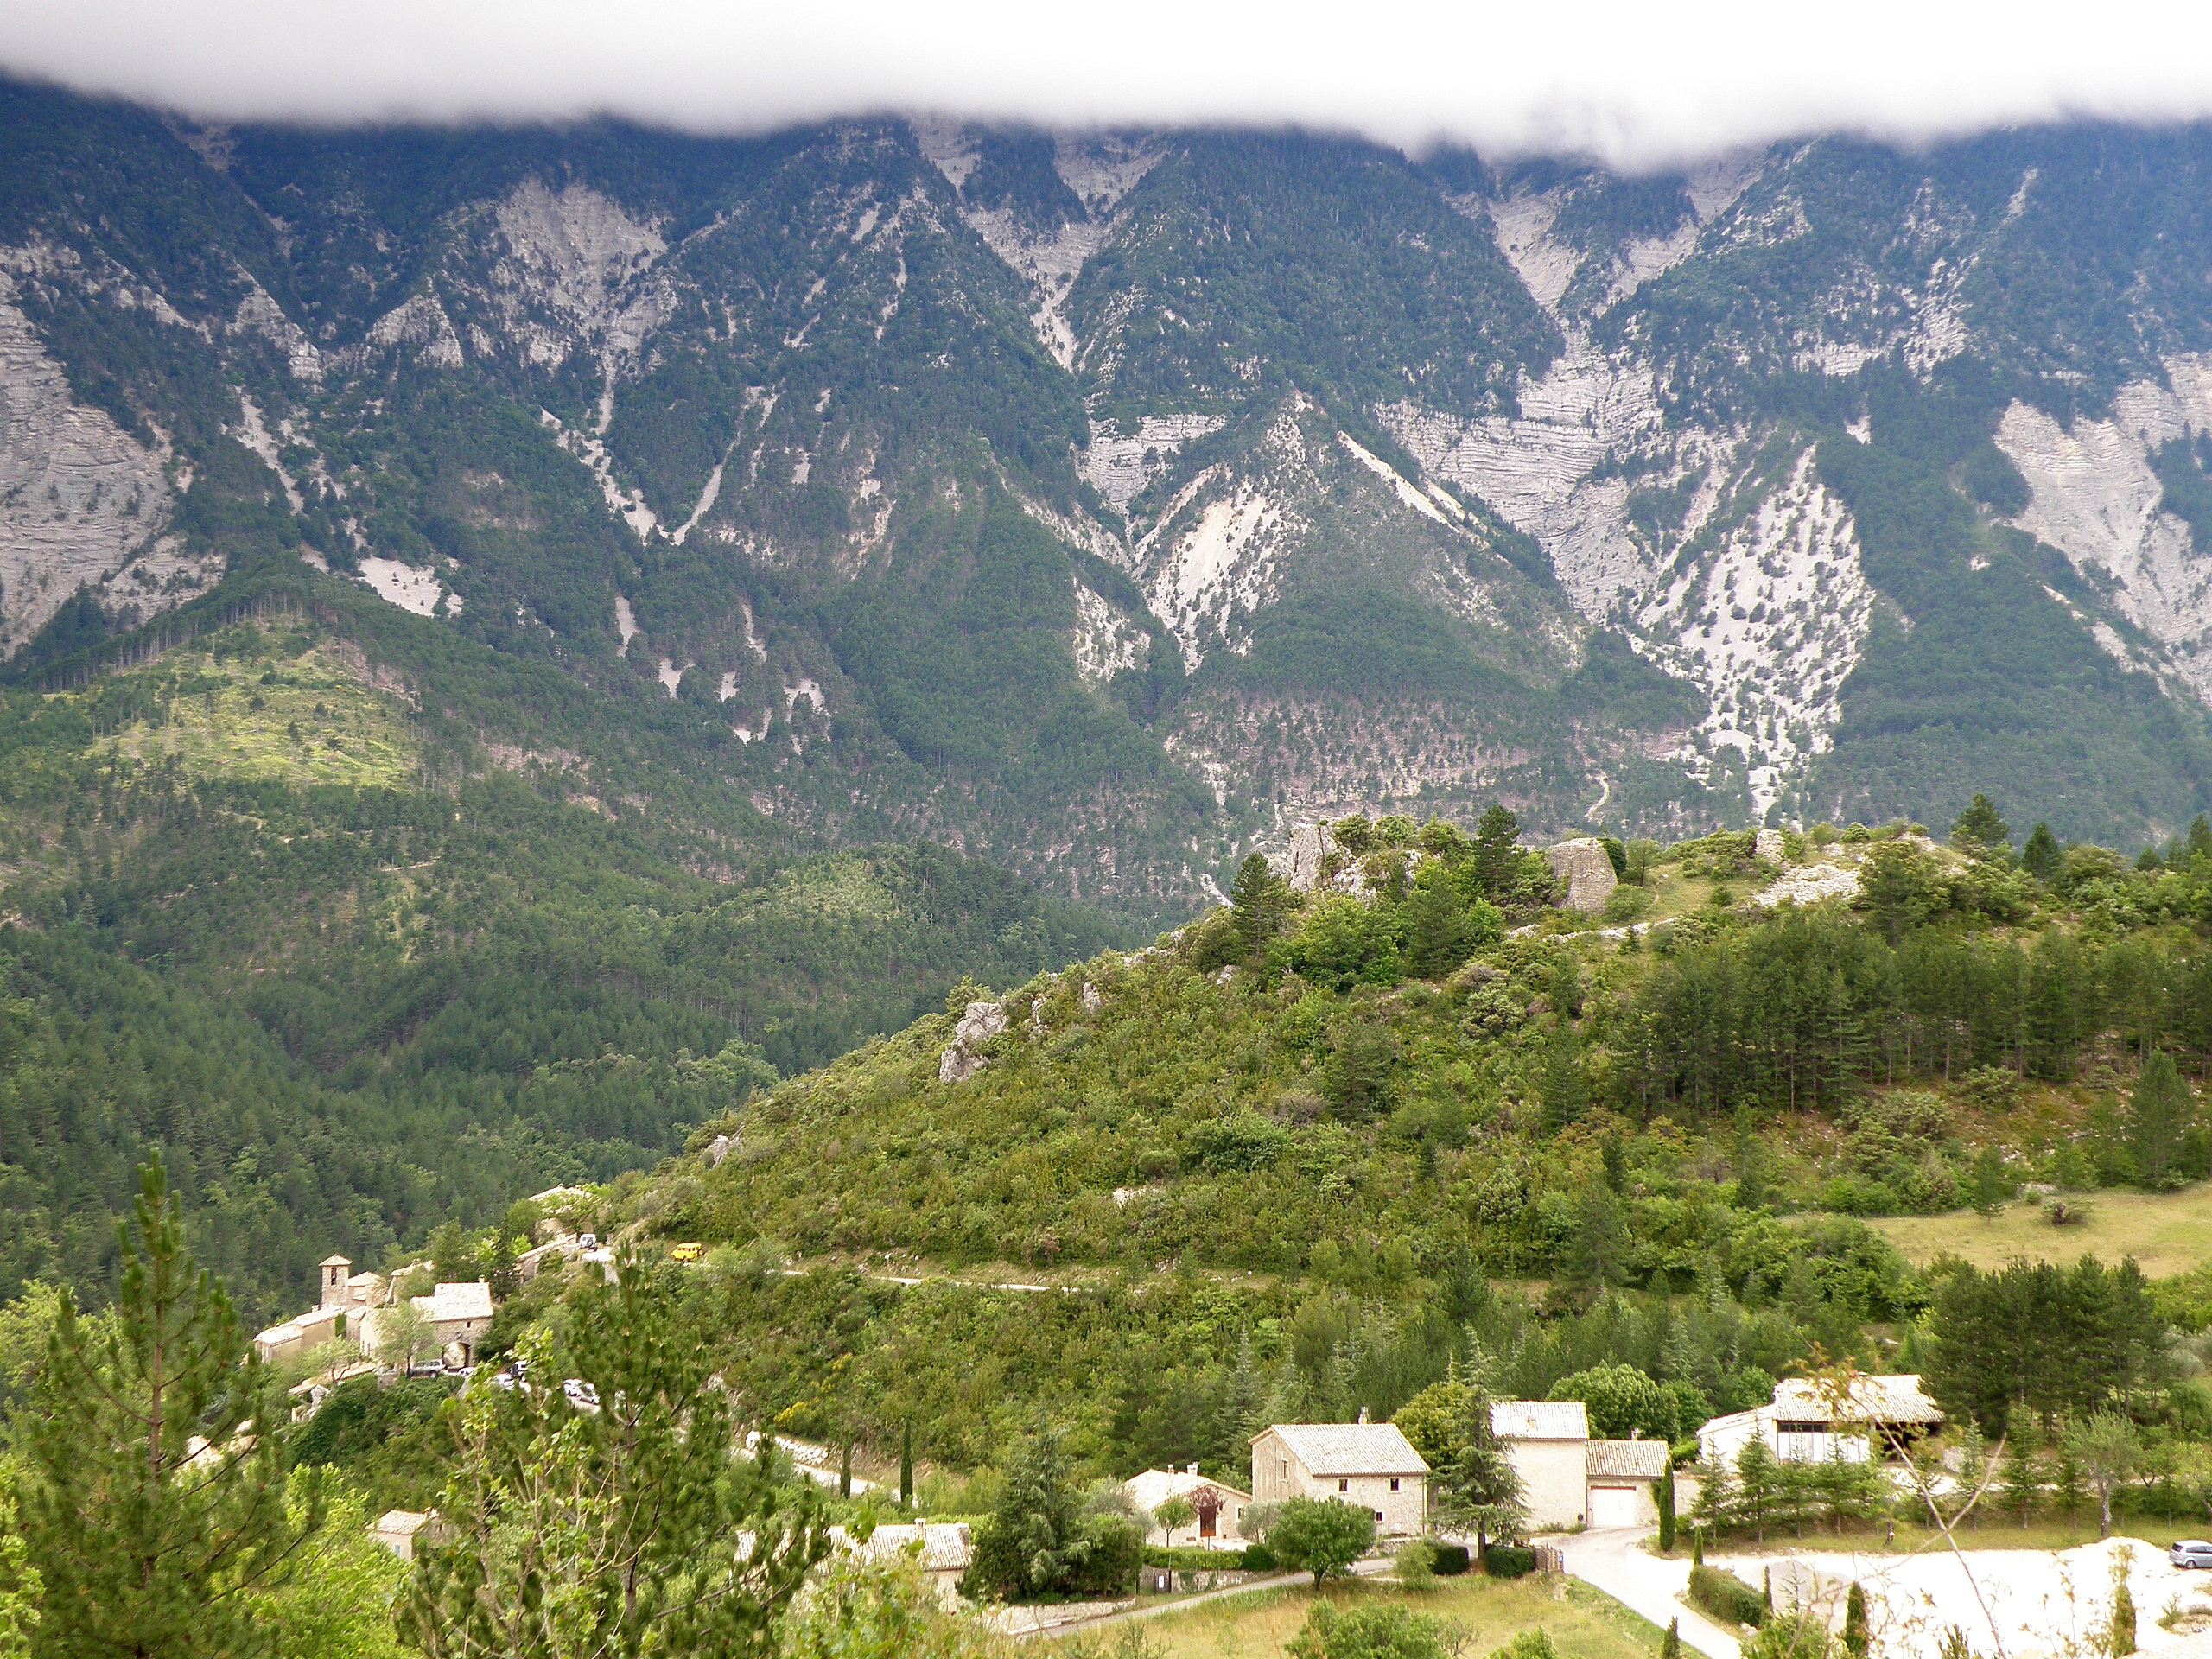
[(80, 499), (1771, 847), (1583, 869), (962, 1057)]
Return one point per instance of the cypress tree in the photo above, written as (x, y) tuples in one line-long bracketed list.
[(845, 1470), (1670, 1646), (153, 1486), (2123, 1614), (906, 1465), (1854, 1612), (1662, 1491)]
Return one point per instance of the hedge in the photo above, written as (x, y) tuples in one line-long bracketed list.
[(1727, 1597), (1509, 1561), (1451, 1560), (1192, 1558)]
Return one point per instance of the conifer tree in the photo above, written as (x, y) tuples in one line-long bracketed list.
[(1258, 902), (1855, 1610), (2158, 1122), (2022, 1481), (1980, 828), (1670, 1645), (153, 1486), (906, 1464), (2041, 857), (1663, 1493), (1497, 850)]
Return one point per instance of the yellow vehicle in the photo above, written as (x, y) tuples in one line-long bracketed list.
[(687, 1252)]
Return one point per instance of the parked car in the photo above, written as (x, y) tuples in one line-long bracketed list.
[(582, 1395), (2191, 1552), (687, 1252)]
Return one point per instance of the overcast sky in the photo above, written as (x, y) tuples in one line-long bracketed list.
[(1642, 83)]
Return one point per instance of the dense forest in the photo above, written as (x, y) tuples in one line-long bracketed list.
[(353, 976)]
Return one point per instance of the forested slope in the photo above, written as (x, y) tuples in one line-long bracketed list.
[(1296, 1161), (361, 940)]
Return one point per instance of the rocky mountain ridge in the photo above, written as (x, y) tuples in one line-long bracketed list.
[(1150, 491)]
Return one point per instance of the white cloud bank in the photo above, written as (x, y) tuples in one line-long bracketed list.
[(1642, 83)]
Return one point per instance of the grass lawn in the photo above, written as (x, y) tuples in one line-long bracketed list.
[(2167, 1233), (1588, 1624)]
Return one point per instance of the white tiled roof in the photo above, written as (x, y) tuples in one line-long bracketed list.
[(1156, 1486), (945, 1544), (1351, 1448), (1540, 1420), (1626, 1459), (455, 1302), (1874, 1399)]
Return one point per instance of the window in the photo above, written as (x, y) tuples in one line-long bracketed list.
[(1378, 1516), (1394, 1482), (1344, 1485)]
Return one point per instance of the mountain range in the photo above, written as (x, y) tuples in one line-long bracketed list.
[(1100, 504)]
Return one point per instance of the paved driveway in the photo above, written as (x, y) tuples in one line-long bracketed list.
[(1614, 1559)]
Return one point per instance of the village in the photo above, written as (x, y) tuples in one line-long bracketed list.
[(1629, 1517)]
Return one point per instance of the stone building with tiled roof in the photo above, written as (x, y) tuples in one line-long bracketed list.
[(1371, 1465)]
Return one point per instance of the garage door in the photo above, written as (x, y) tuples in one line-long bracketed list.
[(1612, 1506)]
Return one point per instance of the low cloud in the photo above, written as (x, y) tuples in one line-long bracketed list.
[(1640, 85)]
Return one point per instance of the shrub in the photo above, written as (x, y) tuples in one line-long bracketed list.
[(1509, 1561), (1451, 1561), (1416, 1562), (1727, 1597), (1258, 1558), (1368, 1630)]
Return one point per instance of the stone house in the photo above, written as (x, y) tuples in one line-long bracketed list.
[(344, 1312), (1370, 1465), (1547, 1442), (942, 1549), (1568, 1479), (1220, 1510), (459, 1315), (398, 1530)]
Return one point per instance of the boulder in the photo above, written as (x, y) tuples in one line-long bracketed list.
[(718, 1149), (962, 1058), (1582, 868)]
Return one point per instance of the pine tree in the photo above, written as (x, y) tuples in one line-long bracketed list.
[(1756, 1486), (2158, 1122), (1980, 828), (1258, 902), (611, 1533), (2200, 837), (2041, 857), (1988, 1184), (1497, 852), (2022, 1481), (153, 1490), (1854, 1612)]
